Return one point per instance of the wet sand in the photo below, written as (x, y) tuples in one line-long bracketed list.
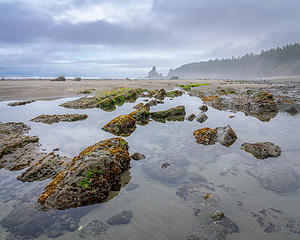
[(45, 89)]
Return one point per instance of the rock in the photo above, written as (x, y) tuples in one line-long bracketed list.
[(173, 114), (276, 177), (86, 91), (60, 78), (160, 94), (17, 151), (78, 79), (20, 103), (142, 116), (292, 110), (140, 105), (123, 217), (262, 150), (45, 168), (202, 117), (94, 229), (218, 215), (228, 225), (175, 93), (106, 99), (90, 176), (153, 74), (165, 165), (165, 174), (191, 117), (126, 124), (50, 119), (226, 136), (203, 108), (207, 136), (137, 156), (121, 126)]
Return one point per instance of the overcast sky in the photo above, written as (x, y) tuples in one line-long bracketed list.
[(125, 38)]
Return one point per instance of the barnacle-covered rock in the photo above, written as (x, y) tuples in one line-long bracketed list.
[(50, 119), (90, 176), (172, 114), (262, 150)]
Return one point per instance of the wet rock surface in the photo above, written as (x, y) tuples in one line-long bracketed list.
[(50, 119), (17, 151), (106, 99), (45, 168), (21, 103), (262, 150), (126, 124), (202, 117), (276, 177), (123, 217), (171, 173), (203, 108), (137, 156), (93, 229), (172, 114), (191, 117), (90, 176), (207, 136)]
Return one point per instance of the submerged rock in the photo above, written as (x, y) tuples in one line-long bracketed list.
[(207, 136), (106, 99), (50, 119), (45, 168), (20, 103), (90, 176), (137, 156), (262, 150), (191, 117), (276, 177), (202, 117), (172, 114), (293, 110), (123, 217), (170, 173), (94, 229)]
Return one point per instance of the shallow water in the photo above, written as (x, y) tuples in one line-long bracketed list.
[(158, 212)]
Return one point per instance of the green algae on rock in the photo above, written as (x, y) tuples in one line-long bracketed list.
[(90, 176), (105, 99), (50, 119), (172, 114)]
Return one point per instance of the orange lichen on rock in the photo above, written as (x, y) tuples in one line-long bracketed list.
[(210, 99), (206, 136)]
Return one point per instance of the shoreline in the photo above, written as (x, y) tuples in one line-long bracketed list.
[(44, 89)]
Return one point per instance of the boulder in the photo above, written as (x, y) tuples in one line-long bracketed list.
[(226, 136), (262, 150), (90, 176), (121, 126)]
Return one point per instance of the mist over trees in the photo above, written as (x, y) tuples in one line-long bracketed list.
[(278, 61)]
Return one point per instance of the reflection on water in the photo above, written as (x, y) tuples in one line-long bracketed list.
[(173, 202)]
